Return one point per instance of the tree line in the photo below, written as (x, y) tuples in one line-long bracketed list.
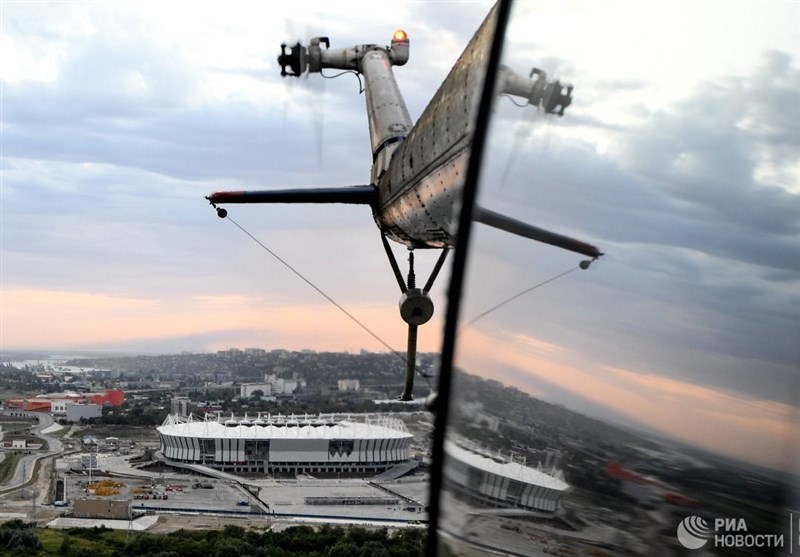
[(19, 539)]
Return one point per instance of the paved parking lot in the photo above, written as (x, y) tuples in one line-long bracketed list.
[(292, 497), (168, 494), (349, 499)]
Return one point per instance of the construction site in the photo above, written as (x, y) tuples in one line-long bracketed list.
[(124, 484)]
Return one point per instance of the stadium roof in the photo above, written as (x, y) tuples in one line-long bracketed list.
[(501, 467), (353, 426)]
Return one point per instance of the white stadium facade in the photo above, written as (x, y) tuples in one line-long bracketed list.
[(488, 480), (357, 443)]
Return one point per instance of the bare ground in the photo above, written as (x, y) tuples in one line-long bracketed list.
[(173, 523)]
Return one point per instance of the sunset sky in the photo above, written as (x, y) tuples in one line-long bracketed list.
[(678, 157)]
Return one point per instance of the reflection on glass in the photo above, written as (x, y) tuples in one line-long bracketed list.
[(648, 403)]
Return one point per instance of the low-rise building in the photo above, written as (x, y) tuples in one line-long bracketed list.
[(76, 412), (101, 508), (45, 402), (246, 390), (349, 385), (180, 405)]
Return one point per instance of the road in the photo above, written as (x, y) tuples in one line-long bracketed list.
[(12, 492)]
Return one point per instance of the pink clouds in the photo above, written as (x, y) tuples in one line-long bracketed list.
[(56, 319), (727, 422)]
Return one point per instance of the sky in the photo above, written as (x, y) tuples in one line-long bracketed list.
[(678, 158)]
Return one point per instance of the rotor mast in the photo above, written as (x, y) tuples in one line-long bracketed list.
[(389, 120)]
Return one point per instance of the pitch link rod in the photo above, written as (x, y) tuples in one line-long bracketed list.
[(436, 269), (393, 262)]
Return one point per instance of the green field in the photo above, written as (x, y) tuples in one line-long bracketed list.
[(10, 428), (8, 465), (87, 541)]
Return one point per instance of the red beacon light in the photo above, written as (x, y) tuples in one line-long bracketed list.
[(399, 36), (398, 52)]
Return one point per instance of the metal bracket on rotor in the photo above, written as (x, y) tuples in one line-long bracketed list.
[(221, 213), (553, 97), (416, 308), (295, 59)]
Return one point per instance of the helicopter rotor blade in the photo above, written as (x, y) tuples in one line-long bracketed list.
[(514, 226)]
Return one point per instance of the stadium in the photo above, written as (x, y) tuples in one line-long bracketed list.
[(487, 480), (353, 443)]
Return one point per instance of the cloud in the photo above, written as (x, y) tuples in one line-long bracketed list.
[(701, 254), (85, 320), (734, 326), (746, 427)]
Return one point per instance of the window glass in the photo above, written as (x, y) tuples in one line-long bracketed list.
[(650, 399)]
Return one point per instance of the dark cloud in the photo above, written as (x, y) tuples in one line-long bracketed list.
[(705, 151), (686, 176), (235, 141)]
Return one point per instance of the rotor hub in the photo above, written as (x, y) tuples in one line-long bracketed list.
[(295, 59)]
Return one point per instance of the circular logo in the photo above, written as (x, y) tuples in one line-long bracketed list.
[(693, 532)]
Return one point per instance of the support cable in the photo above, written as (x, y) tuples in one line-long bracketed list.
[(318, 289), (515, 296)]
